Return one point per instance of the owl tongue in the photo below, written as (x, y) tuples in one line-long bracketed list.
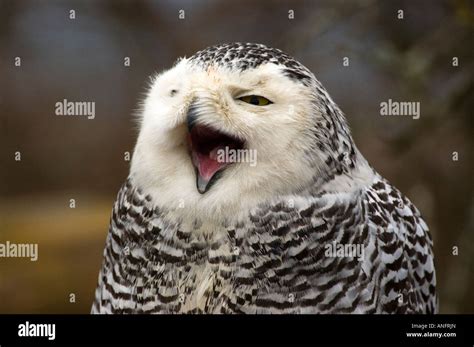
[(205, 143), (207, 166)]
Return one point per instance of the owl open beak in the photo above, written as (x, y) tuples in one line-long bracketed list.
[(208, 147)]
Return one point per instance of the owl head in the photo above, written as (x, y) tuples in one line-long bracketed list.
[(234, 125)]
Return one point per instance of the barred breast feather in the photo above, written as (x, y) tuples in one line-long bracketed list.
[(273, 261)]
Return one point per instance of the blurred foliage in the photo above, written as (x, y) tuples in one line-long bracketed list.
[(82, 59)]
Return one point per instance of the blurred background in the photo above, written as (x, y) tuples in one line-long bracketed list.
[(82, 59)]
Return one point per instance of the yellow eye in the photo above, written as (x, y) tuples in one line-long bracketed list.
[(255, 100)]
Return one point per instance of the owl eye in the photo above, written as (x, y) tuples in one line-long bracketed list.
[(256, 100)]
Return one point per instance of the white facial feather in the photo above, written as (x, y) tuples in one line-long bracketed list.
[(278, 132)]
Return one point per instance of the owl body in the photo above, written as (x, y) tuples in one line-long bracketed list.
[(311, 228)]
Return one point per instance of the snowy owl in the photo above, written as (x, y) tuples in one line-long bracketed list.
[(247, 194)]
